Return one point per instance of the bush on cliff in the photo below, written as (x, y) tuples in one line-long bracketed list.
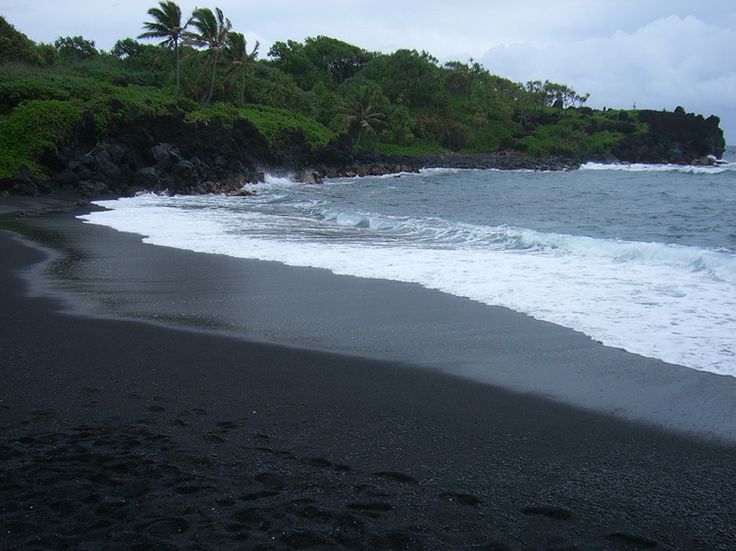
[(276, 125), (299, 102), (33, 129)]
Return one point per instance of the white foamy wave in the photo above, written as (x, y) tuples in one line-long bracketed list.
[(401, 174), (273, 182), (439, 170), (438, 233), (668, 302), (353, 220), (641, 167), (356, 178), (719, 265)]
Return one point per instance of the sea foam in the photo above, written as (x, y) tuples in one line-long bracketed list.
[(670, 302), (642, 167)]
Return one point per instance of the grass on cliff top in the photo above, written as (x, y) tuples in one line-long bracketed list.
[(275, 124), (33, 128), (106, 102), (40, 109), (573, 134), (402, 150)]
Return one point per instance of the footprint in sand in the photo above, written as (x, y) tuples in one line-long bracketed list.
[(227, 425), (278, 453), (213, 437), (556, 513), (165, 526), (270, 480), (304, 540), (258, 495), (397, 477), (461, 498), (190, 489), (373, 507), (316, 462), (632, 541)]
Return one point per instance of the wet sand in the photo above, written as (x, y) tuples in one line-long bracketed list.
[(122, 434), (114, 274)]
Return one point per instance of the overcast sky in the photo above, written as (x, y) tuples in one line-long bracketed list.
[(651, 53)]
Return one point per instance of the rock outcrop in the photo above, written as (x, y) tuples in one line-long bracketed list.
[(166, 153), (672, 137), (153, 155)]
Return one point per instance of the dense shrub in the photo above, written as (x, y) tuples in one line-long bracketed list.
[(405, 102)]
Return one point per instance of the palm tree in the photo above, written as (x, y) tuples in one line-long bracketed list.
[(236, 52), (212, 33), (166, 24), (361, 106)]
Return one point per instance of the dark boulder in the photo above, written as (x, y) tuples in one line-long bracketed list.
[(146, 178), (165, 156), (25, 182), (105, 166), (67, 178), (240, 193), (114, 150), (89, 188), (672, 137), (208, 186)]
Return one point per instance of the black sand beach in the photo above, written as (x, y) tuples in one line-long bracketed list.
[(122, 434)]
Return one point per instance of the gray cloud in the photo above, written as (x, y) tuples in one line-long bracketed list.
[(657, 53), (668, 62)]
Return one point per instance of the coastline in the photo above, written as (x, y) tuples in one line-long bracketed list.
[(116, 275), (232, 442)]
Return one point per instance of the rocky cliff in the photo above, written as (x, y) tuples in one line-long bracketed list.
[(672, 137), (167, 153)]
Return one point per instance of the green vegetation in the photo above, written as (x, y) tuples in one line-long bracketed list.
[(211, 33), (16, 47), (32, 129), (405, 102), (238, 57), (584, 131), (41, 109), (276, 125), (166, 25)]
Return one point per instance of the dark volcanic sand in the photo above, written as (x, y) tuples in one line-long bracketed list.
[(114, 273), (121, 434)]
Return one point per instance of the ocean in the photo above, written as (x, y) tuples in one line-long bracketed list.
[(638, 257)]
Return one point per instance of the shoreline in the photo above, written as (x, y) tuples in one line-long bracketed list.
[(314, 309), (168, 437), (25, 184), (370, 164)]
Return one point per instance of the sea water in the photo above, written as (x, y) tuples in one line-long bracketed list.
[(640, 257)]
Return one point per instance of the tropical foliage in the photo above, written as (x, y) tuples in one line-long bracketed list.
[(405, 102), (212, 31), (237, 55), (364, 108), (167, 25)]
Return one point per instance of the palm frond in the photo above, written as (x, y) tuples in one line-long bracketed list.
[(210, 31), (166, 23)]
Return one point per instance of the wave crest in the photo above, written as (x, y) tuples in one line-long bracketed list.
[(642, 167)]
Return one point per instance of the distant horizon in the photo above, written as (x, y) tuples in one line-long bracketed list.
[(654, 55)]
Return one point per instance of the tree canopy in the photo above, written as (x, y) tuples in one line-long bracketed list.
[(167, 25), (405, 101)]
